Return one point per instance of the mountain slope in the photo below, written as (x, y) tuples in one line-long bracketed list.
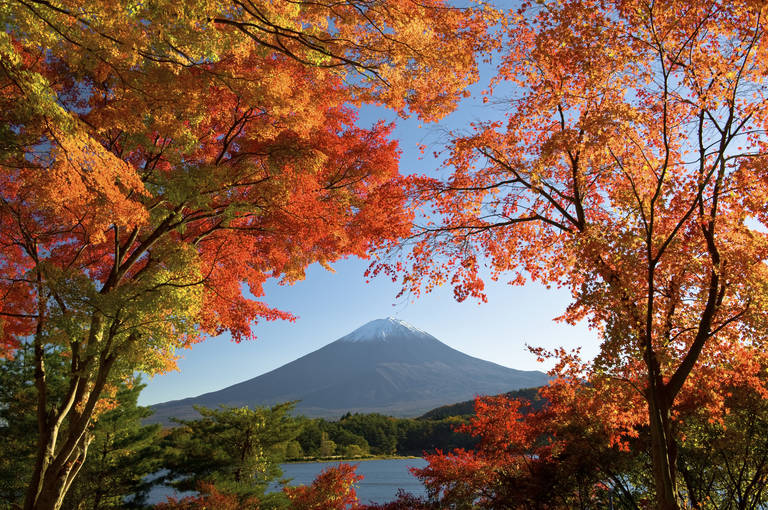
[(386, 366)]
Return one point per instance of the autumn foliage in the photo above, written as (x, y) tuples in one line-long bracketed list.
[(590, 445), (209, 497), (568, 454), (333, 489), (159, 161), (631, 170)]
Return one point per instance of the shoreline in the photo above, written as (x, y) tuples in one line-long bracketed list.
[(311, 460)]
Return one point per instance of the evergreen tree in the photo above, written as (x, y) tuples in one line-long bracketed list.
[(237, 449), (16, 446)]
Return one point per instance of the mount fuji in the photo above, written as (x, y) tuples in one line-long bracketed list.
[(386, 366)]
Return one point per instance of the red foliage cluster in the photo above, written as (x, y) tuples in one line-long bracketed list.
[(333, 489), (209, 499)]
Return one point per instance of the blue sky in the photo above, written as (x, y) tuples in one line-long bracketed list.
[(332, 304)]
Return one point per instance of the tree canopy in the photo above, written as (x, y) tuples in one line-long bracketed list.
[(631, 170), (159, 161)]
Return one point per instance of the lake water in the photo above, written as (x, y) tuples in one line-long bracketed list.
[(382, 478)]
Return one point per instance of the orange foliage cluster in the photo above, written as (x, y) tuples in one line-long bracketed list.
[(210, 498), (333, 489), (547, 458), (222, 135), (159, 161), (631, 170), (584, 444)]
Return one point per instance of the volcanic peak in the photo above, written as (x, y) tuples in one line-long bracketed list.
[(382, 330)]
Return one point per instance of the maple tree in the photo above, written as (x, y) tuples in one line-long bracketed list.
[(333, 489), (160, 160), (123, 453), (588, 446), (210, 497), (574, 452), (631, 170)]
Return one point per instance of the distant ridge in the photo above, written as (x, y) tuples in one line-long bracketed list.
[(467, 408), (386, 366)]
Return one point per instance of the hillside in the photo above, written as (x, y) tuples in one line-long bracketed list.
[(467, 408)]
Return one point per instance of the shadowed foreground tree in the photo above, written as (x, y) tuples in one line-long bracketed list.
[(722, 425), (17, 419), (160, 160), (632, 169), (123, 452)]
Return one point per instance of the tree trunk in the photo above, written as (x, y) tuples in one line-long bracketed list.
[(42, 463), (61, 453), (663, 445), (50, 485)]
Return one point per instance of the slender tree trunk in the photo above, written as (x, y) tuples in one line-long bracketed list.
[(35, 487), (62, 451), (663, 445), (35, 484), (47, 426), (55, 478), (690, 486)]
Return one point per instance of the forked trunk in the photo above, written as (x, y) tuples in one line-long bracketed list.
[(663, 445), (52, 479), (63, 433)]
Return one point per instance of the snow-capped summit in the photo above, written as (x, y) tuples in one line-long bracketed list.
[(384, 329)]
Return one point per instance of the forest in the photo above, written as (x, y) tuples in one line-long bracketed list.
[(236, 449), (161, 162)]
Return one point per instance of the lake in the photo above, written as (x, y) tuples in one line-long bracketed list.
[(382, 478)]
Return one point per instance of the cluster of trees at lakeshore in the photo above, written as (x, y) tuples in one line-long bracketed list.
[(551, 448), (375, 434), (234, 451), (159, 157)]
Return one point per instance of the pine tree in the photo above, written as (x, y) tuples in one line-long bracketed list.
[(16, 447), (236, 449)]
